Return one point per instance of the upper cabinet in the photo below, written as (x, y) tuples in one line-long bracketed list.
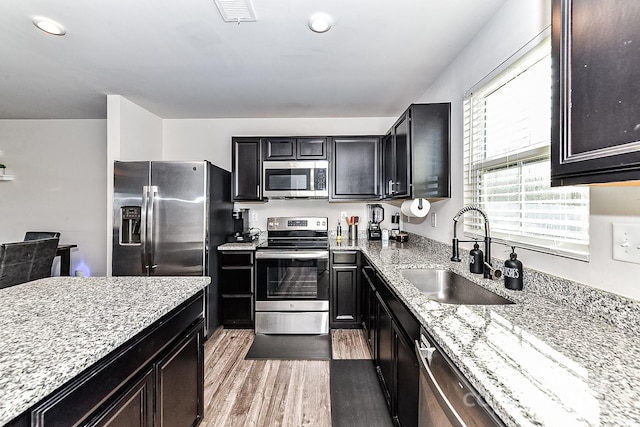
[(416, 154), (247, 169), (355, 168), (596, 109), (295, 148)]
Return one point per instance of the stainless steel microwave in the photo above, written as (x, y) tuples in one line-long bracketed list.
[(295, 179)]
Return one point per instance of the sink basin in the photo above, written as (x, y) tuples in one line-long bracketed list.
[(448, 287)]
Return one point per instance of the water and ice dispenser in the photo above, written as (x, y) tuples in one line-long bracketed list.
[(130, 225)]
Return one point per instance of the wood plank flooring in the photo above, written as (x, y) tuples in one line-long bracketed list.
[(240, 392)]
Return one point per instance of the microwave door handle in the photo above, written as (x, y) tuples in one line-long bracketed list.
[(312, 179)]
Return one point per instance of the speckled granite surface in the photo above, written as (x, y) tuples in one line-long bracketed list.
[(52, 329), (541, 361)]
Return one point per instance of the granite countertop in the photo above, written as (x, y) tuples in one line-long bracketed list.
[(53, 329), (535, 362)]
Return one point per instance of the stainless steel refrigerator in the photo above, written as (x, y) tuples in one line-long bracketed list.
[(168, 219)]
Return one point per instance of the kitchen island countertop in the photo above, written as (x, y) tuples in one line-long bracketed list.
[(53, 329), (535, 362)]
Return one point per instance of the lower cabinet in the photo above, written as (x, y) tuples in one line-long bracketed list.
[(133, 409), (155, 379), (237, 277), (391, 330), (179, 394), (345, 283)]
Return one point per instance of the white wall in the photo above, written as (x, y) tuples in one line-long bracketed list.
[(133, 133), (517, 23), (210, 139), (59, 168)]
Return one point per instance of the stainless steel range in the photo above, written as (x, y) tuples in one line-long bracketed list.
[(292, 277)]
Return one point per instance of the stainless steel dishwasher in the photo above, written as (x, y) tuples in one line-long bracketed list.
[(446, 397)]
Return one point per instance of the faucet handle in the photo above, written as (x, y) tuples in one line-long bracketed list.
[(490, 272)]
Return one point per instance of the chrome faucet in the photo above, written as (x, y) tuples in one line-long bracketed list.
[(489, 271)]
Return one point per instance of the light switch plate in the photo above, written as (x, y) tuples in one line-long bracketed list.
[(626, 242)]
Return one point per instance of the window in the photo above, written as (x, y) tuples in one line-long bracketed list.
[(507, 132)]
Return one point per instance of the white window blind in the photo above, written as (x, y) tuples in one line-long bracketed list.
[(507, 131)]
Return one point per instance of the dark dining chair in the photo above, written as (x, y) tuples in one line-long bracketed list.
[(35, 235), (22, 262)]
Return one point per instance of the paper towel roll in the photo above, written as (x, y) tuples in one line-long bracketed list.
[(411, 208)]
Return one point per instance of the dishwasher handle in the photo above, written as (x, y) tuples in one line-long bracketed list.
[(455, 396), (428, 357)]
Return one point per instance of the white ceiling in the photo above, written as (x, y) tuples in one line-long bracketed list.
[(178, 59)]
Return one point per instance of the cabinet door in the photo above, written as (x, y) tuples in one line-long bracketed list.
[(247, 169), (180, 389), (430, 136), (344, 296), (311, 148), (596, 68), (280, 149), (407, 382), (402, 157), (385, 344), (388, 165), (355, 168), (133, 409)]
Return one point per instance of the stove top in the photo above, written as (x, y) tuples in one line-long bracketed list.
[(296, 233)]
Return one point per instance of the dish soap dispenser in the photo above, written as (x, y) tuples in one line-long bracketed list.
[(513, 272), (476, 262)]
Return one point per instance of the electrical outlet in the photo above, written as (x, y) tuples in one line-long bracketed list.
[(343, 215), (433, 219), (626, 242), (254, 217)]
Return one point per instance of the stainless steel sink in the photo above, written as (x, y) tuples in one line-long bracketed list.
[(448, 287)]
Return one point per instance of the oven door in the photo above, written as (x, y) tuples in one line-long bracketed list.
[(292, 280)]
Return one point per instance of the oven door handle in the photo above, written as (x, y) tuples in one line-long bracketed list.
[(292, 255)]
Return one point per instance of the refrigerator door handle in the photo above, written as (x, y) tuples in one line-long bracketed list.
[(143, 230), (153, 192)]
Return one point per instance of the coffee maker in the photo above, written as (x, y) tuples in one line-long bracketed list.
[(376, 216), (241, 230)]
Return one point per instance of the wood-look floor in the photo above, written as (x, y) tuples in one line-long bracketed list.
[(240, 392)]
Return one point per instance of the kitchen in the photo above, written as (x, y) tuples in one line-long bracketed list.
[(79, 163)]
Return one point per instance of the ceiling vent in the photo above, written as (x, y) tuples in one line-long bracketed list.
[(236, 10)]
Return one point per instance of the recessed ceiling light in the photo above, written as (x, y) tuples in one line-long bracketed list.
[(320, 23), (49, 26)]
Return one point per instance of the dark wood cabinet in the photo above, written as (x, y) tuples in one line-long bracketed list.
[(355, 168), (391, 330), (237, 278), (292, 148), (345, 289), (179, 395), (595, 128), (407, 380), (416, 153), (246, 169), (133, 409), (155, 379)]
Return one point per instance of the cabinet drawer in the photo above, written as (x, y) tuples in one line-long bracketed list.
[(236, 258), (236, 280), (345, 257)]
